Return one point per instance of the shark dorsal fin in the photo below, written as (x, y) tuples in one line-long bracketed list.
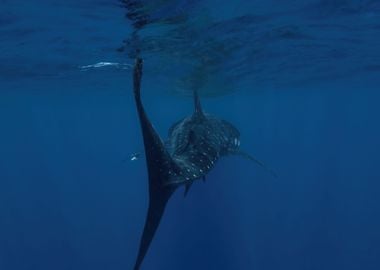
[(197, 105)]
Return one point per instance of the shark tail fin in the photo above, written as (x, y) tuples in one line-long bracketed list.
[(160, 167), (155, 212), (258, 162)]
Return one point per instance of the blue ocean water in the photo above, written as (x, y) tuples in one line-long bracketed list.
[(299, 79)]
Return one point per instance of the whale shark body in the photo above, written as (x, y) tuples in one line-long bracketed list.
[(193, 147)]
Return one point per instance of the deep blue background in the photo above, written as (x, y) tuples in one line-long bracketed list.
[(68, 200)]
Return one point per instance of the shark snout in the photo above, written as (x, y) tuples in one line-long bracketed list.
[(233, 144)]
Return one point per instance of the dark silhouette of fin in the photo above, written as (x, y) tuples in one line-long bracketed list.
[(197, 105), (159, 164), (258, 162), (156, 210), (187, 188), (204, 179)]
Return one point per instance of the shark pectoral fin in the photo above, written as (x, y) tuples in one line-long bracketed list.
[(258, 162), (187, 188), (204, 179)]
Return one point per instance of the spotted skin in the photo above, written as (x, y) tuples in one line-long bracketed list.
[(196, 143), (192, 149)]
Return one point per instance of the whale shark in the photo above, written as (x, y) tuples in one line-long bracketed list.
[(194, 145)]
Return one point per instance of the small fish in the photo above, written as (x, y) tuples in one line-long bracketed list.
[(135, 156)]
